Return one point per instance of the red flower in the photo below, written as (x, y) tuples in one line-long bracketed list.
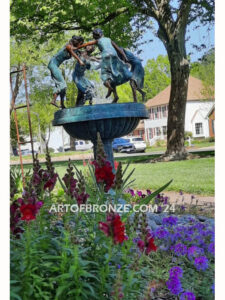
[(147, 245), (104, 174), (105, 228), (51, 183), (114, 227), (150, 246), (141, 245), (116, 164), (118, 230), (84, 163), (28, 211)]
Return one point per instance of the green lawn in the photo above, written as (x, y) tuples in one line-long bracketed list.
[(191, 176), (196, 144)]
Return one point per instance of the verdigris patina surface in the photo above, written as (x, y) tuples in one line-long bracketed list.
[(110, 120)]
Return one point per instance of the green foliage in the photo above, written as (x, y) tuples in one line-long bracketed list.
[(157, 76), (187, 134), (42, 21), (205, 71)]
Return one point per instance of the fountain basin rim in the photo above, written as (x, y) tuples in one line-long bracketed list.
[(100, 111)]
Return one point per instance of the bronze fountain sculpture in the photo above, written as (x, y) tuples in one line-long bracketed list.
[(110, 120)]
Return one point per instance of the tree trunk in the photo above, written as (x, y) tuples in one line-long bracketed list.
[(177, 107), (72, 143), (179, 68)]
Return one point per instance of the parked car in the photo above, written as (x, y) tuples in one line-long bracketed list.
[(83, 145), (122, 145), (27, 152), (138, 142)]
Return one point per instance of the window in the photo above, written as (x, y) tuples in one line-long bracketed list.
[(151, 133), (155, 113), (159, 109), (164, 111), (158, 131), (164, 130), (198, 128)]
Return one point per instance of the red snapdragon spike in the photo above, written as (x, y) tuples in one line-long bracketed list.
[(104, 227), (104, 174), (84, 163), (28, 212), (118, 230), (141, 245), (51, 183), (150, 246), (114, 227)]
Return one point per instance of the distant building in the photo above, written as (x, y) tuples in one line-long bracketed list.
[(211, 118), (196, 117)]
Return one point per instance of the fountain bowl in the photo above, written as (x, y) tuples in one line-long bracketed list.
[(110, 120)]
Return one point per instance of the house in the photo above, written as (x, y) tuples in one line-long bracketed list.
[(211, 118), (196, 116), (139, 130)]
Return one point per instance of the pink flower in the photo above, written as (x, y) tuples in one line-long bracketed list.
[(39, 204)]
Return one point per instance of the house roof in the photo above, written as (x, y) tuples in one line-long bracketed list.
[(141, 125), (195, 88)]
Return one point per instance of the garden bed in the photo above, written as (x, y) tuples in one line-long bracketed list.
[(58, 253)]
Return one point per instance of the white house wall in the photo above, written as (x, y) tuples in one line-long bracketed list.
[(196, 112), (58, 138), (199, 110)]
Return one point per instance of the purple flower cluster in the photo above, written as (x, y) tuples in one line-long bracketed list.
[(161, 233), (159, 199), (211, 248), (176, 272), (201, 263), (180, 249), (194, 252), (174, 284), (187, 296), (193, 239), (170, 221)]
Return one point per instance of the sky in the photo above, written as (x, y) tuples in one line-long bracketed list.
[(197, 36)]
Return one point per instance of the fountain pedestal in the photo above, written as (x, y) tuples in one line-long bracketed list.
[(110, 120)]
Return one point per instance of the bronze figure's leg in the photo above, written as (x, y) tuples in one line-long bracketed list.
[(62, 96), (116, 98), (110, 89), (53, 102), (143, 94), (134, 88), (80, 99)]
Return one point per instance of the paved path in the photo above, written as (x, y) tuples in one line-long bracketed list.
[(187, 198), (87, 156)]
